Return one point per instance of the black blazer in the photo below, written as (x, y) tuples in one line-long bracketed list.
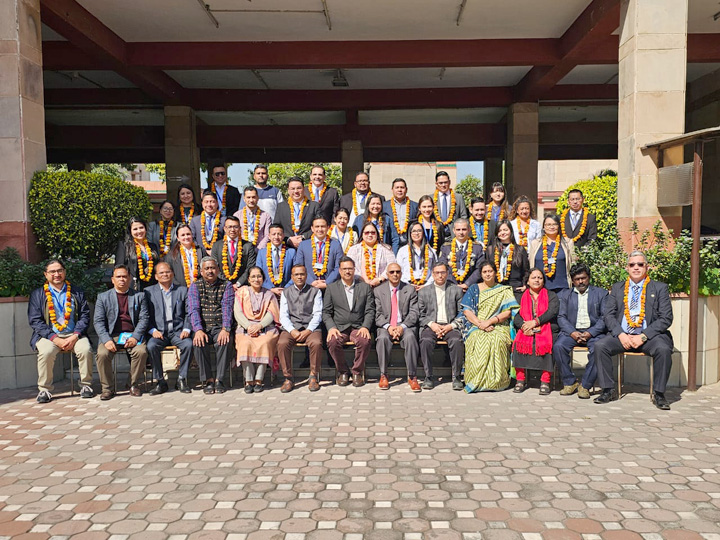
[(590, 233), (329, 203), (156, 309), (567, 318), (658, 310), (337, 313), (246, 260), (517, 271), (177, 266), (284, 217), (476, 258), (550, 316), (132, 263), (491, 233)]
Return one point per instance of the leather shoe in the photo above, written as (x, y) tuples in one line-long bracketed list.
[(161, 388), (219, 387), (569, 389), (313, 383), (544, 389), (520, 387), (135, 391), (583, 393), (343, 379), (457, 384), (183, 386), (384, 384), (358, 380), (287, 386), (606, 397), (209, 388), (106, 395), (428, 384), (661, 402), (414, 386)]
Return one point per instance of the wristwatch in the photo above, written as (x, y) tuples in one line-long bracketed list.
[(643, 338), (226, 329)]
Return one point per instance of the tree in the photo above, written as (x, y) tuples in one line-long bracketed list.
[(470, 187), (116, 170), (601, 199), (280, 173)]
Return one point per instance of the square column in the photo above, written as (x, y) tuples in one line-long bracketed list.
[(352, 163), (653, 63), (182, 157), (522, 151), (22, 129)]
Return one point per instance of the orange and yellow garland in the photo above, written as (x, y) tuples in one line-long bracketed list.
[(216, 229), (583, 225), (550, 269), (226, 264), (312, 193), (370, 272), (486, 230), (354, 197), (426, 256), (296, 228), (453, 260), (144, 274), (641, 317), (256, 226), (190, 214), (451, 212), (349, 231), (435, 234), (523, 234), (508, 267), (326, 257), (189, 279), (395, 217), (165, 236), (275, 280), (68, 307), (492, 205)]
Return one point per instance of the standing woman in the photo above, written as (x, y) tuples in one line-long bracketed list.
[(537, 327), (187, 205), (371, 257), (184, 258), (433, 230), (498, 208), (341, 231), (138, 254), (525, 227), (161, 232), (374, 214), (554, 254), (509, 258), (417, 258), (258, 316)]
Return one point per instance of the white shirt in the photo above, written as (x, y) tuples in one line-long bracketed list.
[(583, 315), (441, 311), (349, 293)]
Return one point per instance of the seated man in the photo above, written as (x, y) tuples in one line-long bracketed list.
[(121, 321), (439, 306), (301, 308), (638, 315), (59, 316), (463, 256), (396, 317), (320, 254), (170, 325), (581, 325), (348, 314), (210, 303)]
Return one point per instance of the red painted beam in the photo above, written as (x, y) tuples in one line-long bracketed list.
[(98, 97)]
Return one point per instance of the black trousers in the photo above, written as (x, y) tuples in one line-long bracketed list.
[(428, 342), (155, 348), (660, 348), (222, 355)]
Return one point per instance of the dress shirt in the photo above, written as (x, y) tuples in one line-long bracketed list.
[(349, 294), (190, 254), (220, 192), (583, 315), (634, 313), (401, 211), (575, 218), (442, 317), (209, 226), (504, 260), (399, 315), (314, 323)]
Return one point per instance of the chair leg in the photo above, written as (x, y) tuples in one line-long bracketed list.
[(72, 375), (621, 370), (652, 379), (114, 362)]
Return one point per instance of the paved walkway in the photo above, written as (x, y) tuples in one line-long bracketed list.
[(349, 464)]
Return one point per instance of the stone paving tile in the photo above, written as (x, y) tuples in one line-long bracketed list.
[(355, 464)]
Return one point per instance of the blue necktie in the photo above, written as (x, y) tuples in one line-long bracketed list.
[(444, 208)]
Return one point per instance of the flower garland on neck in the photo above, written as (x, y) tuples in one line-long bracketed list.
[(486, 230), (550, 269), (68, 307), (370, 273), (453, 260), (216, 229), (144, 274), (380, 227), (404, 229), (322, 193), (508, 266), (490, 210), (189, 278), (190, 214), (296, 228), (226, 263), (165, 236), (583, 224), (426, 256), (275, 279), (641, 316), (522, 233), (351, 241), (326, 257), (256, 227), (451, 212), (354, 197)]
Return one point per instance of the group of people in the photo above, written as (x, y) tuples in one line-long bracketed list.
[(255, 275)]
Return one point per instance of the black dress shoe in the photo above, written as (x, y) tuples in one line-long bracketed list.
[(209, 388), (606, 397), (161, 388), (219, 387), (183, 386), (661, 402)]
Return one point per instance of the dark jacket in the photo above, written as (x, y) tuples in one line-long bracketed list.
[(567, 317), (329, 203), (658, 310), (106, 314), (590, 233), (39, 316), (156, 308), (231, 199), (284, 217), (477, 256), (132, 263), (337, 313), (427, 303), (245, 258)]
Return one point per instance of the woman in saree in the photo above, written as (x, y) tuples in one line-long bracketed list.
[(258, 315), (487, 307)]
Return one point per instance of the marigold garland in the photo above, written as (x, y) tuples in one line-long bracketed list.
[(451, 212), (226, 263), (486, 230), (426, 256), (68, 307), (370, 273), (275, 279), (326, 257), (490, 210), (322, 192), (395, 217), (508, 267), (381, 228), (216, 229), (641, 316), (352, 241), (189, 279), (190, 214), (435, 234), (354, 197), (165, 236), (296, 228), (144, 275), (453, 260), (550, 269), (583, 225), (256, 227), (523, 234)]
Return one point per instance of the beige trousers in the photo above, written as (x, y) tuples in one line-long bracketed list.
[(48, 351), (138, 358)]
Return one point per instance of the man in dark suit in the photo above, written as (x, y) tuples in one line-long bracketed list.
[(401, 209), (573, 220), (463, 247), (581, 324), (444, 194), (396, 318), (348, 314), (227, 195), (325, 250), (638, 315), (478, 223), (279, 272), (233, 253), (170, 325), (355, 200), (439, 306), (296, 214), (121, 314), (327, 197), (207, 228)]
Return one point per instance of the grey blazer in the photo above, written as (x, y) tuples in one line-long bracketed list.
[(106, 314), (427, 303), (407, 304), (156, 308), (337, 313)]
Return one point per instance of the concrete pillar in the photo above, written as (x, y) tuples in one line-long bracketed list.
[(653, 62), (493, 172), (22, 128), (522, 151), (182, 157), (352, 163)]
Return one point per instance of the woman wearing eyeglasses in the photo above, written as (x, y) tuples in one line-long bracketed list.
[(371, 257), (374, 214), (161, 232), (553, 254)]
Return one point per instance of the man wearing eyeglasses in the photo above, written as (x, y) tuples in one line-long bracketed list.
[(638, 315), (228, 196)]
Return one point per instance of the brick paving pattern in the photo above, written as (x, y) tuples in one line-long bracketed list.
[(351, 464)]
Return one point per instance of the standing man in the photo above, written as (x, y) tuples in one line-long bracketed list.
[(210, 303), (234, 255), (581, 325), (228, 196), (348, 314), (577, 224), (121, 321), (269, 197), (301, 311), (449, 205), (401, 210), (355, 200), (296, 215), (439, 306), (170, 325), (254, 222), (327, 197), (59, 317), (463, 256), (320, 255), (638, 315), (482, 229), (396, 318), (276, 261), (207, 228)]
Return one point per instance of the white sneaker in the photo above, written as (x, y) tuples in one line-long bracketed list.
[(87, 392), (44, 397)]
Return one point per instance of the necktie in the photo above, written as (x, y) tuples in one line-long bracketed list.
[(394, 308), (634, 303), (461, 256), (444, 209), (209, 222), (362, 201), (320, 247), (317, 194), (574, 216), (297, 214), (276, 262), (232, 251)]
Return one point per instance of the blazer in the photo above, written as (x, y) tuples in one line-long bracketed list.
[(565, 244), (400, 240), (39, 316), (590, 233), (461, 210), (246, 260), (389, 234), (427, 303), (407, 305), (131, 262), (550, 316), (477, 256), (304, 256), (658, 310), (284, 217), (156, 309), (337, 313), (231, 198), (196, 228), (567, 317), (153, 234), (106, 314), (176, 264), (329, 203), (517, 271), (261, 261), (346, 201)]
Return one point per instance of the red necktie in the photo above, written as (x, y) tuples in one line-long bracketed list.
[(394, 308), (232, 251)]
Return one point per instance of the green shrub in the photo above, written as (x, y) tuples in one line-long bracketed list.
[(82, 215), (470, 187), (601, 199)]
